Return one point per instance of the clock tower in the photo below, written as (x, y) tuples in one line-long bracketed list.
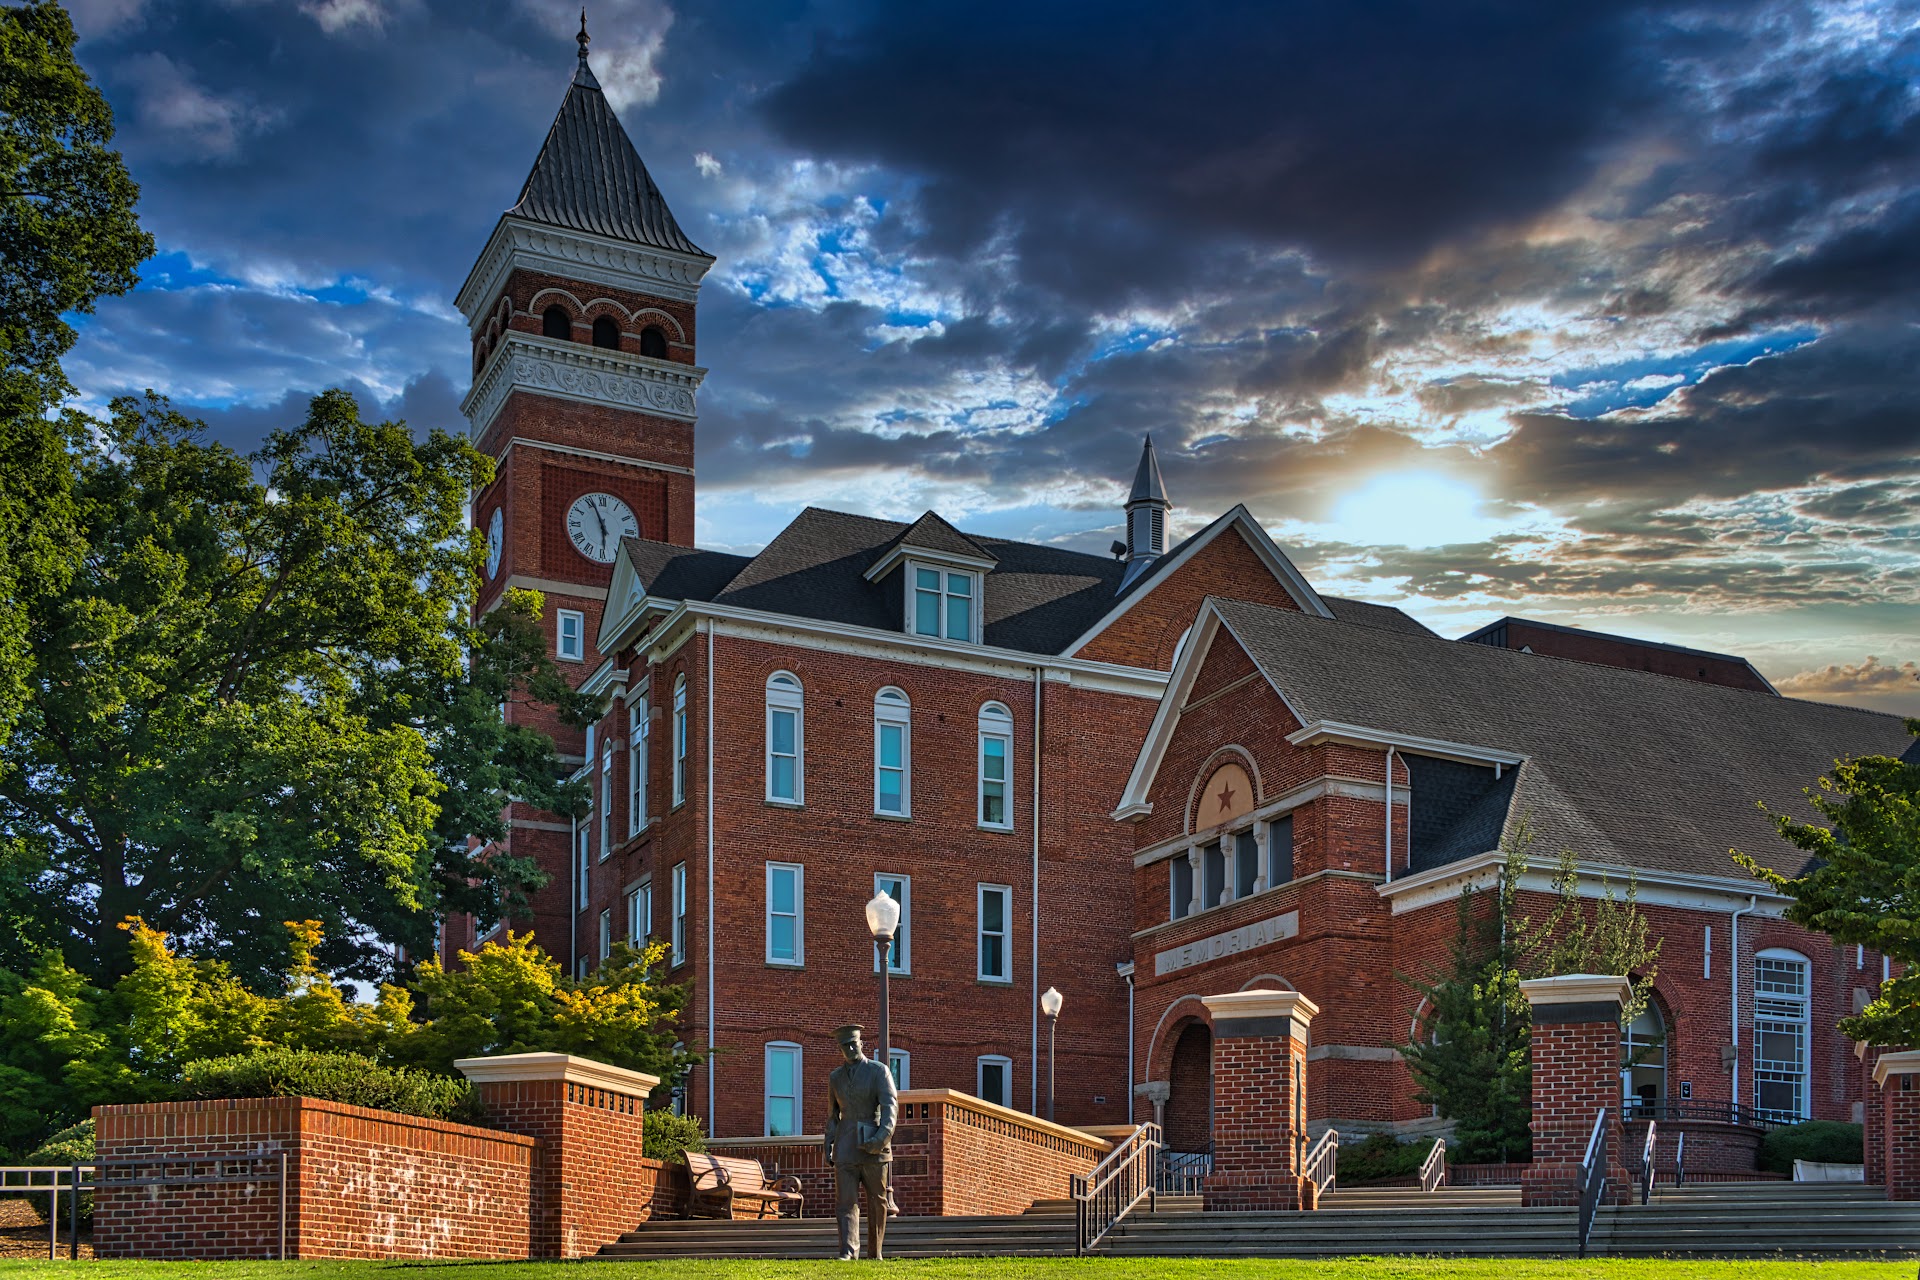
[(581, 312)]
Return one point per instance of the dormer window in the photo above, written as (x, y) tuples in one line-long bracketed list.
[(944, 604)]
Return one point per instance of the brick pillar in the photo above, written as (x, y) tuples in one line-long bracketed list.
[(1896, 1095), (1873, 1137), (1576, 1071), (1259, 1101), (589, 1185)]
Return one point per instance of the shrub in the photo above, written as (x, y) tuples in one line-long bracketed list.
[(666, 1136), (333, 1077), (72, 1145), (1821, 1141), (1381, 1155)]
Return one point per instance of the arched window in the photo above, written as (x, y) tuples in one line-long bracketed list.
[(1781, 997), (1643, 1061), (556, 323), (996, 767), (606, 333), (892, 753), (786, 739), (653, 342), (679, 744), (479, 356)]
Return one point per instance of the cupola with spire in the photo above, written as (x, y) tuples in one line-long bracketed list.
[(1146, 517)]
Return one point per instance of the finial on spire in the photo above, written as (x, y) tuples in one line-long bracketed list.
[(583, 37)]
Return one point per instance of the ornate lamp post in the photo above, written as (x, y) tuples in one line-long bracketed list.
[(1050, 1002), (883, 917)]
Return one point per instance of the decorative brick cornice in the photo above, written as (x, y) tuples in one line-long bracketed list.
[(573, 371), (575, 255), (1577, 997), (514, 1068)]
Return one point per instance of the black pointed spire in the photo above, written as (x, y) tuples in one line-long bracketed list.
[(588, 176), (1147, 484), (1147, 508)]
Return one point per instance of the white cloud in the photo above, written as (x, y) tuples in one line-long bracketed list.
[(708, 166), (335, 16), (169, 102), (628, 37), (93, 18)]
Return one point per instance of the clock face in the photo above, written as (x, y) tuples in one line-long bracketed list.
[(493, 544), (596, 522)]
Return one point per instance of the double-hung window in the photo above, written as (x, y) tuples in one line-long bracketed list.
[(640, 913), (606, 801), (892, 753), (1781, 996), (783, 1089), (570, 635), (785, 739), (1280, 850), (996, 767), (584, 840), (679, 938), (786, 913), (995, 913), (680, 740), (993, 1079), (902, 1063), (944, 603), (1180, 886), (637, 729), (606, 934), (900, 889)]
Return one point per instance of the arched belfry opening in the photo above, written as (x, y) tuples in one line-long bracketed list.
[(606, 333), (653, 342), (556, 323)]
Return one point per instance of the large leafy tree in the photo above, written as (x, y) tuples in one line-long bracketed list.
[(259, 699), (1472, 1058), (1864, 887), (68, 236)]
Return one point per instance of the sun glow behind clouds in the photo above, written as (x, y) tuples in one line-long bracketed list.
[(1411, 509)]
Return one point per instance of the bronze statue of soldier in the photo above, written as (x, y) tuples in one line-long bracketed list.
[(862, 1107)]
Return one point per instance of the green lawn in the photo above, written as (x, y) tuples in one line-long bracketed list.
[(990, 1269)]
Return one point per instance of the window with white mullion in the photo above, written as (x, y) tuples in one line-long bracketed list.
[(994, 915), (785, 739), (640, 913), (1781, 999), (892, 754), (944, 603), (900, 889), (680, 740), (637, 732), (782, 1089), (786, 908), (996, 767), (606, 801), (679, 937)]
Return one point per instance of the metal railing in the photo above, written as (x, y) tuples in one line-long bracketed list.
[(1593, 1177), (1115, 1186), (1433, 1171), (1680, 1160), (52, 1181), (1646, 1162), (259, 1167), (1712, 1112), (1183, 1172), (1322, 1165)]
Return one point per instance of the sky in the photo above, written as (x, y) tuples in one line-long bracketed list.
[(1604, 313)]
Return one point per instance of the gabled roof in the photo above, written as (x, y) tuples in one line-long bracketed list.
[(661, 571), (931, 533), (1625, 768), (588, 177)]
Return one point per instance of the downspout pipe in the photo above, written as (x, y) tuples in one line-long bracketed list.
[(573, 899), (1033, 932), (1733, 970), (1126, 971), (713, 1123)]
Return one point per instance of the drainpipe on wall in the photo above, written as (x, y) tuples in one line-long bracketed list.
[(713, 1124), (1389, 815), (1733, 969), (1125, 969), (573, 898), (1033, 993)]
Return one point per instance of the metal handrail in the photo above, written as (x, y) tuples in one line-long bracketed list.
[(1635, 1111), (1183, 1172), (1433, 1171), (1646, 1162), (1680, 1161), (1593, 1177), (51, 1180), (1115, 1187), (1322, 1165)]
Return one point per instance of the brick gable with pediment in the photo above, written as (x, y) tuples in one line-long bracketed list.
[(1148, 633)]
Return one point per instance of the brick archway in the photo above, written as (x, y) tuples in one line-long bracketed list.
[(1188, 1122)]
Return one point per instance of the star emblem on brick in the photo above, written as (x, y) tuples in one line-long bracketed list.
[(1226, 795)]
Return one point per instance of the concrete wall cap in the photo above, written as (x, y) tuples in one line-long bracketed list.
[(953, 1097), (1261, 1004), (1577, 988), (557, 1066), (1904, 1063)]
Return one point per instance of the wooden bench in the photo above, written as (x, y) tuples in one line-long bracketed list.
[(717, 1181)]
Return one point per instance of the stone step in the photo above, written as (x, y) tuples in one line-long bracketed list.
[(1162, 1204)]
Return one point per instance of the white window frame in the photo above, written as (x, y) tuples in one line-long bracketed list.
[(640, 912), (980, 1065), (680, 736), (799, 914), (582, 861), (901, 1064), (892, 709), (781, 1048), (785, 696), (996, 725), (606, 801), (606, 934), (638, 731), (569, 647), (903, 935), (679, 922), (944, 596), (1801, 1018), (980, 894)]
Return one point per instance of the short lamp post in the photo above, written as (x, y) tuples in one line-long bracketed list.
[(883, 918), (1050, 1002)]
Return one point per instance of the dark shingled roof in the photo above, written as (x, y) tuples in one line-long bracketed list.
[(1039, 599), (588, 177), (1625, 768), (933, 533), (669, 572)]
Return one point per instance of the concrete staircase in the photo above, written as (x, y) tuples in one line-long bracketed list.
[(1014, 1236), (1480, 1222), (1758, 1219)]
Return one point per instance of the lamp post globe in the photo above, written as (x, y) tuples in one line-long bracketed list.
[(883, 919), (1050, 1002)]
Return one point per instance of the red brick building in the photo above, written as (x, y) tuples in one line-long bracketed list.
[(1142, 779)]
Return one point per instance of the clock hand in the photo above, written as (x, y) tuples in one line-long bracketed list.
[(603, 525)]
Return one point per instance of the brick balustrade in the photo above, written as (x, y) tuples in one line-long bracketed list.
[(1259, 1101), (1576, 1071), (1894, 1123)]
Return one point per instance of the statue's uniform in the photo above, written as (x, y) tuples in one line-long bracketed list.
[(862, 1109)]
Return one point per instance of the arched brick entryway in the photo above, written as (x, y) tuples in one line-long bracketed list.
[(1189, 1112)]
